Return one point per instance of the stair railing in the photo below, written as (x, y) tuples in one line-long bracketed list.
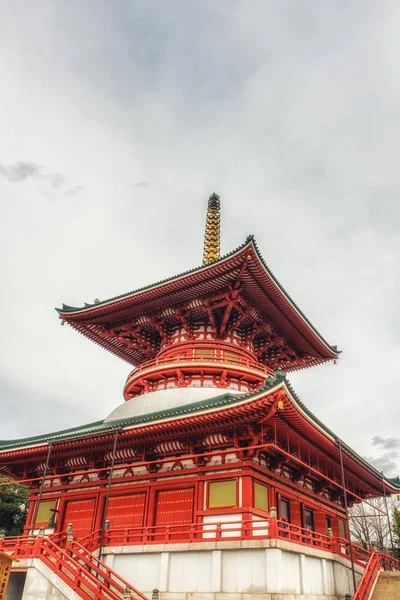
[(369, 578)]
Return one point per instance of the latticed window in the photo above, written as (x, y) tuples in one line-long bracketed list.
[(285, 509)]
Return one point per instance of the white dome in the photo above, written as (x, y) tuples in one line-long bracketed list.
[(163, 400)]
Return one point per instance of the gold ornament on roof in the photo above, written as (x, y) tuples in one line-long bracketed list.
[(212, 247)]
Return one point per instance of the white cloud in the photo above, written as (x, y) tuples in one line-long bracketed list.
[(135, 115)]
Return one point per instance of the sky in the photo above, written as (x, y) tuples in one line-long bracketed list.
[(119, 119)]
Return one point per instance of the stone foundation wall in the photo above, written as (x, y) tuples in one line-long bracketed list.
[(257, 570)]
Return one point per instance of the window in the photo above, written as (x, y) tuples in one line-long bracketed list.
[(260, 496), (285, 510), (231, 356), (342, 531), (204, 353), (46, 511), (309, 519), (222, 493), (328, 523)]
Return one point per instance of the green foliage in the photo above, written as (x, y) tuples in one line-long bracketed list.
[(396, 524), (13, 506)]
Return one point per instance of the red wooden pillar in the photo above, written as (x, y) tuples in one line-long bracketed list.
[(29, 516), (247, 504), (150, 518), (99, 511), (199, 504)]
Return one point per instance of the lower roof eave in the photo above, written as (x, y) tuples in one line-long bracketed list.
[(197, 412)]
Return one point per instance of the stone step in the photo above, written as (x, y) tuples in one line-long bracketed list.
[(387, 586)]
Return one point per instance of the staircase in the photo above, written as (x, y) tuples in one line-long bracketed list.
[(387, 587), (84, 573)]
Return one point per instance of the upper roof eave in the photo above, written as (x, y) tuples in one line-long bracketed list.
[(329, 352), (88, 307)]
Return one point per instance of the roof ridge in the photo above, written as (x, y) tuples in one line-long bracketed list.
[(67, 308)]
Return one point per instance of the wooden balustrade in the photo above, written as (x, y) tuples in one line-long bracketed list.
[(88, 576), (75, 564), (369, 577)]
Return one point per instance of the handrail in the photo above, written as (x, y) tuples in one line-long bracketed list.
[(80, 553), (232, 530), (86, 574), (369, 578), (189, 359)]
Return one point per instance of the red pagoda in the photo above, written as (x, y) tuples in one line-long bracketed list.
[(212, 480)]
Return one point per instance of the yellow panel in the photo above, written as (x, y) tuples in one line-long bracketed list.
[(222, 493), (204, 352), (260, 496), (44, 513), (342, 532)]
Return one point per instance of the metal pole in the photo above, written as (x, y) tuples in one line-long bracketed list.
[(108, 493), (387, 514), (46, 468), (347, 513)]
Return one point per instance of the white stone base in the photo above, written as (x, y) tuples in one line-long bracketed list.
[(243, 570), (42, 584)]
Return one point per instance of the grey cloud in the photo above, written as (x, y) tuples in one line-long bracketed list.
[(19, 171), (385, 443), (73, 191), (289, 111), (141, 184), (387, 463), (56, 180)]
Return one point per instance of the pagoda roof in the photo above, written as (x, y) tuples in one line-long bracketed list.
[(259, 285), (295, 414)]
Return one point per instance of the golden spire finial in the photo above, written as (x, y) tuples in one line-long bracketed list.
[(212, 250)]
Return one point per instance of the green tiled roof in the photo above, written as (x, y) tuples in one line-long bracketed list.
[(103, 426), (99, 427)]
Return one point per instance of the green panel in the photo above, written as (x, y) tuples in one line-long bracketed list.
[(260, 496), (45, 513), (342, 531), (222, 493)]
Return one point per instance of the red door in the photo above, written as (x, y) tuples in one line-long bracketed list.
[(174, 508), (126, 512), (81, 514), (320, 522)]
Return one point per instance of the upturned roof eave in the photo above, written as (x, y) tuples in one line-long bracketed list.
[(347, 450), (208, 406), (326, 351), (71, 310)]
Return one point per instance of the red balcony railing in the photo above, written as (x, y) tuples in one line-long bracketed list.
[(75, 563)]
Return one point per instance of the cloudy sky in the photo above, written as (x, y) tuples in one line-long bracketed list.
[(118, 119)]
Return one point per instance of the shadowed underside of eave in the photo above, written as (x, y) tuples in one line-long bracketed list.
[(258, 283)]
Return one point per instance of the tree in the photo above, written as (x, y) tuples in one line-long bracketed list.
[(369, 526), (13, 505), (396, 524)]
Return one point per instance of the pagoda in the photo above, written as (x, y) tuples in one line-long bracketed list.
[(212, 480)]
